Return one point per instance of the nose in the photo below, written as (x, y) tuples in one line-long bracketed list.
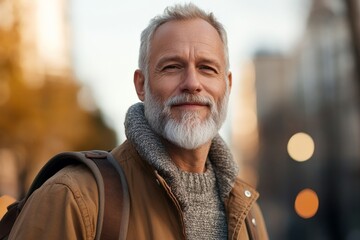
[(191, 82)]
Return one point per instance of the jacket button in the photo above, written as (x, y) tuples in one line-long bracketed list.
[(247, 193)]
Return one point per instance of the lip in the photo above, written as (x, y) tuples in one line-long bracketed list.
[(190, 105)]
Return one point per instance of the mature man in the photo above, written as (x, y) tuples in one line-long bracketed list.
[(182, 179)]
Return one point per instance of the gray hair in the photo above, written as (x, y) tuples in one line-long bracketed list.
[(176, 13)]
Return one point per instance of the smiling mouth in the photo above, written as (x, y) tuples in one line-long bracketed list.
[(190, 102), (190, 105)]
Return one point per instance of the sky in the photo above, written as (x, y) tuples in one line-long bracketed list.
[(106, 36)]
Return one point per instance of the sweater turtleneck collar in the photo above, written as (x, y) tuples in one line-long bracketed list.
[(149, 146)]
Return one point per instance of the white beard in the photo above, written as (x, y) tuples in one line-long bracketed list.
[(190, 132)]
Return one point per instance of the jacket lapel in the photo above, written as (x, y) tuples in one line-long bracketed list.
[(238, 204)]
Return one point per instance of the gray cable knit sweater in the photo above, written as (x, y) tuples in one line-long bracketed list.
[(200, 195)]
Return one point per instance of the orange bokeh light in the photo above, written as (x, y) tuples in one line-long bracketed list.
[(306, 203)]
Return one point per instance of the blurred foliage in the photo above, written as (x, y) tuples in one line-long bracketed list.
[(36, 123)]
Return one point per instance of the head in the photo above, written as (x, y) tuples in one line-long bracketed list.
[(178, 13), (184, 79)]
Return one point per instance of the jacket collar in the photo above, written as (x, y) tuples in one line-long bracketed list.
[(238, 205)]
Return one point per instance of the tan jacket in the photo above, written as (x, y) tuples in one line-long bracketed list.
[(66, 206)]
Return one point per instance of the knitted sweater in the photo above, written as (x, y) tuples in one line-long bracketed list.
[(205, 216), (199, 195)]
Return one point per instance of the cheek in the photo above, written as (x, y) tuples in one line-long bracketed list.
[(163, 89), (217, 90)]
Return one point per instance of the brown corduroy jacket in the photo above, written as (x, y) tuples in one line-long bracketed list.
[(66, 206)]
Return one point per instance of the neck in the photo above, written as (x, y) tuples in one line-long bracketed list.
[(189, 160)]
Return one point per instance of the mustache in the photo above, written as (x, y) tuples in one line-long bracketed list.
[(190, 98)]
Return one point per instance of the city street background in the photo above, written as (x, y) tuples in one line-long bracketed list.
[(66, 70)]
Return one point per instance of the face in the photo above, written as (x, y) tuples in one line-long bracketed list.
[(187, 78)]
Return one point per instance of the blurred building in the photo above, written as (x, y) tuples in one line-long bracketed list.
[(245, 135), (43, 110), (315, 90)]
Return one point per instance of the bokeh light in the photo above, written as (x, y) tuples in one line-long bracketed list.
[(301, 147), (306, 203)]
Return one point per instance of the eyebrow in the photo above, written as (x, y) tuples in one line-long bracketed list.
[(175, 58), (169, 59)]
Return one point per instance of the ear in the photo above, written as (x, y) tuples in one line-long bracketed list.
[(229, 76), (139, 82)]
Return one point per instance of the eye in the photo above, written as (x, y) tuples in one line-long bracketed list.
[(208, 69), (171, 67)]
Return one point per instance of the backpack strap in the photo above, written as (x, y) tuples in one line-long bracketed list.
[(112, 188), (117, 202)]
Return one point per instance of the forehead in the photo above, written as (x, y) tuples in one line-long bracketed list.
[(188, 25), (186, 35)]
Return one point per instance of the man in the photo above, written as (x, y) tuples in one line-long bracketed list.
[(182, 179)]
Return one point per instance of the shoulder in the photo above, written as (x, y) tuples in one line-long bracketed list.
[(74, 185), (131, 162), (75, 178), (67, 202), (124, 152), (69, 175)]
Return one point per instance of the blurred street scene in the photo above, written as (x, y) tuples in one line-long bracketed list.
[(43, 109), (308, 159)]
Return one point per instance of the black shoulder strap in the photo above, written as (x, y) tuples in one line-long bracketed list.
[(113, 217), (117, 203)]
